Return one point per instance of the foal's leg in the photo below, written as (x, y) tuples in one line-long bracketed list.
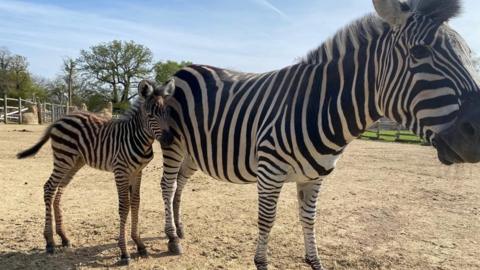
[(122, 181), (187, 170), (135, 205), (307, 201), (62, 166), (56, 203)]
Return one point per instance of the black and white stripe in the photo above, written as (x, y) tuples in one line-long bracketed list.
[(293, 124), (122, 146)]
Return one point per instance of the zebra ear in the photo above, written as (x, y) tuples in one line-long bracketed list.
[(167, 90), (392, 11), (145, 88)]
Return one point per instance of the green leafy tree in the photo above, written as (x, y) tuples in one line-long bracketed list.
[(165, 70), (117, 64), (5, 60), (15, 79)]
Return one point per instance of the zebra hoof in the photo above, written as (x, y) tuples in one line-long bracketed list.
[(261, 265), (142, 252), (314, 263), (124, 260), (66, 244), (174, 247), (50, 249), (180, 232)]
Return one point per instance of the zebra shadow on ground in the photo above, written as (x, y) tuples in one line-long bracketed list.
[(100, 256)]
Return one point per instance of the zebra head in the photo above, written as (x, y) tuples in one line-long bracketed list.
[(426, 77), (155, 110)]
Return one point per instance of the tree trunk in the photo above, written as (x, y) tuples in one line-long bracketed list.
[(126, 91), (114, 93)]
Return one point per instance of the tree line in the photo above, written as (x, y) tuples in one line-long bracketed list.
[(102, 73)]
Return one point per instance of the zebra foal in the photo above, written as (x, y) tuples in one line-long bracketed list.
[(122, 146)]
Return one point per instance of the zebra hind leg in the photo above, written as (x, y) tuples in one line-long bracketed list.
[(307, 194), (61, 168), (187, 170), (57, 204), (134, 206), (123, 188)]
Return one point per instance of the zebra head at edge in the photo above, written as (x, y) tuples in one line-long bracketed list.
[(427, 80), (155, 109)]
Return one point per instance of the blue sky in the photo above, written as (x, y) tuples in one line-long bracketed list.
[(246, 35)]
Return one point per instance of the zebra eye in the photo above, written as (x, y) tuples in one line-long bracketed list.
[(420, 51)]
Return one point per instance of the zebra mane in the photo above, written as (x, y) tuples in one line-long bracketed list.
[(437, 10), (369, 26), (133, 110), (358, 32)]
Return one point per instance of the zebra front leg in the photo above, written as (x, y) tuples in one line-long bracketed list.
[(269, 187), (123, 187), (169, 186), (57, 204), (181, 181), (135, 205), (187, 170), (307, 194), (172, 164)]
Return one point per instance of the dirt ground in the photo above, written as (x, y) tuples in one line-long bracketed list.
[(387, 206)]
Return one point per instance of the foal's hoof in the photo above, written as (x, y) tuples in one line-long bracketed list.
[(66, 244), (174, 247), (50, 249), (142, 252), (180, 232), (314, 263), (261, 265), (124, 260)]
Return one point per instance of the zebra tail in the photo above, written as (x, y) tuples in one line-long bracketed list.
[(34, 149)]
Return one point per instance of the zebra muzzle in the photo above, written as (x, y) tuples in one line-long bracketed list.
[(166, 138)]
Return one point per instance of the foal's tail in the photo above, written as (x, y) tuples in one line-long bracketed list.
[(34, 149)]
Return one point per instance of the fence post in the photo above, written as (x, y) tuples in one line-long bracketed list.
[(378, 131), (5, 120), (397, 137), (44, 112), (52, 108), (20, 117), (39, 113)]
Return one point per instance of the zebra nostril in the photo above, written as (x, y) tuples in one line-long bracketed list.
[(468, 129)]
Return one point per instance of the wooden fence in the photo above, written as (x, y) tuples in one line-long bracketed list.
[(389, 130), (12, 110)]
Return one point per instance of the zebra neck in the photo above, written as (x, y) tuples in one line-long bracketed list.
[(347, 102), (135, 124)]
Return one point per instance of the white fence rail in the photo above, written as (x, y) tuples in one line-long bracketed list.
[(12, 110)]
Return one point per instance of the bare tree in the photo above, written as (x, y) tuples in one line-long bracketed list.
[(69, 69)]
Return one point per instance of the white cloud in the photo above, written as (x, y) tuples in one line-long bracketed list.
[(270, 6)]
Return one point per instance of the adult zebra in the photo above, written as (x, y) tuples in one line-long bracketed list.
[(122, 146), (293, 124)]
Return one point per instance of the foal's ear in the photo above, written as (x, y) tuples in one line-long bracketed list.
[(166, 90), (145, 88), (393, 12)]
